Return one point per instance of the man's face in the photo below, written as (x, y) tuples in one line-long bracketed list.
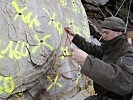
[(109, 34)]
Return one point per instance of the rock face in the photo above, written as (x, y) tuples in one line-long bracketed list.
[(34, 62), (99, 2)]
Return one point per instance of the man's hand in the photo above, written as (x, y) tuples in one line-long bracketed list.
[(69, 31), (78, 55)]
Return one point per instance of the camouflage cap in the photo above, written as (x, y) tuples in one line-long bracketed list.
[(114, 23)]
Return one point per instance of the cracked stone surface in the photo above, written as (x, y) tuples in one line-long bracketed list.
[(31, 37)]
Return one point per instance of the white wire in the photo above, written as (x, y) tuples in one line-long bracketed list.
[(119, 8), (128, 16), (99, 9)]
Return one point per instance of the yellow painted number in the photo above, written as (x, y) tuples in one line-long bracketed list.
[(1, 87), (7, 84), (17, 54)]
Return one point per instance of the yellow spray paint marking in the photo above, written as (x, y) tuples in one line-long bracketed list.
[(78, 78), (1, 56), (8, 84), (34, 21), (19, 11), (70, 22), (59, 27), (56, 24), (15, 53), (74, 27), (41, 41), (54, 82), (1, 87), (27, 18), (63, 2), (7, 81), (24, 45), (8, 48), (85, 29), (51, 19), (75, 7), (65, 52)]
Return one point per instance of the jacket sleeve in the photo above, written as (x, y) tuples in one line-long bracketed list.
[(87, 47), (116, 78)]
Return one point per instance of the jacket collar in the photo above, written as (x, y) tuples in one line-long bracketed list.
[(114, 44)]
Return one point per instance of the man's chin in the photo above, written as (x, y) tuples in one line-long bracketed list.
[(105, 40)]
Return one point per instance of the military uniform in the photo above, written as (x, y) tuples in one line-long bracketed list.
[(110, 66)]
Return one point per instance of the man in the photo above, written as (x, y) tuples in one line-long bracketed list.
[(110, 65)]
